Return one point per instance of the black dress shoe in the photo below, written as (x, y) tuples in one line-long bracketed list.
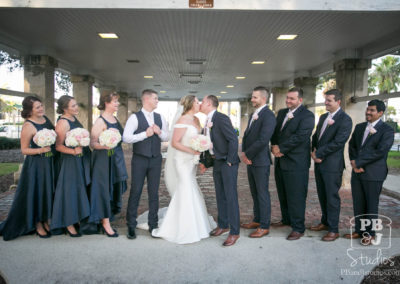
[(131, 233), (151, 228)]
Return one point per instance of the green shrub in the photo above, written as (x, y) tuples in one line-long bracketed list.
[(9, 143)]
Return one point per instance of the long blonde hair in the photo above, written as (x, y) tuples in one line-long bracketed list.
[(187, 102)]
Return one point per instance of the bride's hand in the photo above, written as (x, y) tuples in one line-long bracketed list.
[(196, 153)]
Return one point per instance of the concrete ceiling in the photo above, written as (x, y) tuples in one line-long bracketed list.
[(228, 40)]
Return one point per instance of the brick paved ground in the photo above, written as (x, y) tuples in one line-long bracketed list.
[(388, 206)]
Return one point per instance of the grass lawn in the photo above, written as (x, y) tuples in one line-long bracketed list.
[(8, 168), (393, 160)]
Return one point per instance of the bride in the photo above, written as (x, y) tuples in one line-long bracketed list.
[(186, 219)]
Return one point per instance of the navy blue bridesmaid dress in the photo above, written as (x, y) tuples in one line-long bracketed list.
[(109, 177), (33, 200), (71, 203)]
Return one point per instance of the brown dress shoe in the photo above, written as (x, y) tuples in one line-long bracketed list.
[(231, 240), (218, 232), (279, 224), (259, 233), (319, 227), (251, 225), (330, 237), (294, 236), (354, 235), (367, 241)]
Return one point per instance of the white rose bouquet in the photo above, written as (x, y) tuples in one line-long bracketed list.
[(110, 138), (77, 137), (45, 138)]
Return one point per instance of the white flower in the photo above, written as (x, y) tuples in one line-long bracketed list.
[(372, 131), (200, 143), (45, 137), (290, 115), (110, 138), (77, 137), (330, 121)]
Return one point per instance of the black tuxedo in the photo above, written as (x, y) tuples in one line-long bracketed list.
[(256, 148), (328, 173), (225, 148), (371, 156), (291, 170)]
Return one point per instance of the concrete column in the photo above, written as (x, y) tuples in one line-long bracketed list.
[(39, 79), (279, 99), (246, 109), (123, 108), (82, 88), (352, 80), (308, 84), (134, 105)]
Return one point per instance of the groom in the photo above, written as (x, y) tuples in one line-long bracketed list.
[(225, 148)]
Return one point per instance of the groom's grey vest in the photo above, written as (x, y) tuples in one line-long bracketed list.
[(151, 146)]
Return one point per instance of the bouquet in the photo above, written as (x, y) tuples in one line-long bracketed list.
[(200, 143), (110, 138), (77, 137), (45, 138)]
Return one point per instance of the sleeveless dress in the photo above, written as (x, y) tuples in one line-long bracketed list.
[(33, 201), (71, 203), (186, 220), (109, 177)]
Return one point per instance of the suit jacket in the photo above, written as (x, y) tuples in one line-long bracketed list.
[(330, 148), (256, 138), (372, 155), (224, 138), (294, 139)]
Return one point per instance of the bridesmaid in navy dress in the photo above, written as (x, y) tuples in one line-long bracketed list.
[(109, 173), (71, 204), (33, 202)]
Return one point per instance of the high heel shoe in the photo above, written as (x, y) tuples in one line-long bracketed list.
[(43, 236), (115, 235), (72, 235), (48, 232)]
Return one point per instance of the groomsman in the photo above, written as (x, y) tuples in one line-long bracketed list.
[(328, 141), (291, 148), (255, 154), (226, 164), (145, 130), (368, 150)]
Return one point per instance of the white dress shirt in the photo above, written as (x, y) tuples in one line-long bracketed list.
[(132, 125), (207, 129), (330, 116)]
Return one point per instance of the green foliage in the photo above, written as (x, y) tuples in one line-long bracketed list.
[(327, 82), (393, 160), (8, 168), (63, 82), (9, 143), (10, 62), (386, 76)]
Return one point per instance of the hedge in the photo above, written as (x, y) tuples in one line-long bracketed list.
[(9, 143)]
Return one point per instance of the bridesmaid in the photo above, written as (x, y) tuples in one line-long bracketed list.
[(71, 203), (109, 173), (32, 205)]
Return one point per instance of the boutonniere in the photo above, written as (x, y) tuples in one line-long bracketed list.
[(330, 121), (290, 115), (372, 131), (255, 116), (210, 125)]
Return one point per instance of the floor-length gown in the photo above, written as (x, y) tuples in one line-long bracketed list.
[(33, 200)]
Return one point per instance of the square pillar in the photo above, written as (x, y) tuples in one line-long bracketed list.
[(309, 85), (123, 108), (279, 99), (39, 79), (246, 109), (134, 105), (82, 88)]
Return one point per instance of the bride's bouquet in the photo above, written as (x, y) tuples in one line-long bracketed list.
[(77, 137), (45, 138), (110, 138), (200, 143)]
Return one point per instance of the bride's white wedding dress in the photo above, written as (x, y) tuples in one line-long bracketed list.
[(186, 219)]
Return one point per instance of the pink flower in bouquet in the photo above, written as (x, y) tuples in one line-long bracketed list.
[(200, 143), (45, 138)]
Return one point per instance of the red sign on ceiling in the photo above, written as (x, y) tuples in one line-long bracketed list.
[(201, 3)]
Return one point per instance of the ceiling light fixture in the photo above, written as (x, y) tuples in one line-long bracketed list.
[(195, 61), (163, 92), (258, 62), (108, 35), (230, 86), (183, 74), (222, 92), (240, 77), (287, 37), (148, 77)]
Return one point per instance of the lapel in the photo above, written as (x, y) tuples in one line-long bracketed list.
[(213, 118), (250, 127), (336, 118), (295, 115), (369, 137), (248, 124)]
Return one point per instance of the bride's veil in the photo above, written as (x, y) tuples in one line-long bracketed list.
[(170, 174)]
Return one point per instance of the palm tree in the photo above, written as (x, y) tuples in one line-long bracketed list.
[(387, 75)]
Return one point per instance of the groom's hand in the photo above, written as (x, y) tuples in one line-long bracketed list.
[(202, 168), (245, 159), (156, 129), (150, 131)]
